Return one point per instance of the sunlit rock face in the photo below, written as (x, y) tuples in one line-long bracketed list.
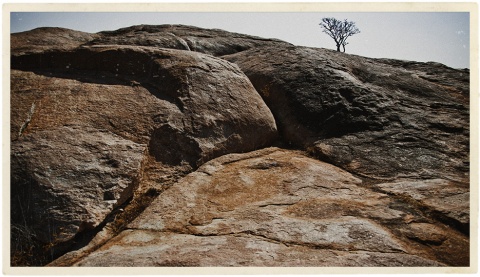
[(370, 165), (275, 207)]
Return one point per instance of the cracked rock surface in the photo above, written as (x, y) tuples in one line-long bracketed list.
[(378, 118), (275, 207), (177, 108), (68, 179), (175, 145)]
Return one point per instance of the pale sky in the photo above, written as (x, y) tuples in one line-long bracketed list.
[(417, 36)]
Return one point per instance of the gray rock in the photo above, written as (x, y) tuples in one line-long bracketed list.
[(68, 179), (374, 117), (214, 42)]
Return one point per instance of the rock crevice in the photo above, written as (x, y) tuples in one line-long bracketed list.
[(158, 138)]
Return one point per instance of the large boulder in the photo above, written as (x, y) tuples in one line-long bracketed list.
[(176, 109), (215, 42), (277, 207), (103, 123), (374, 117), (212, 107)]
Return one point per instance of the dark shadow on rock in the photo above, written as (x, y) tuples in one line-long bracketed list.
[(104, 78)]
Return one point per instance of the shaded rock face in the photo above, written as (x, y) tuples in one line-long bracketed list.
[(68, 179), (101, 122), (377, 118)]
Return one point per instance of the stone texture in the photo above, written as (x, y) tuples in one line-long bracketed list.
[(441, 196), (276, 207), (68, 179), (212, 108), (142, 248), (99, 119), (214, 42), (184, 109), (375, 117), (47, 39)]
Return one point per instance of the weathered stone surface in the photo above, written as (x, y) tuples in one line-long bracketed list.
[(395, 133), (185, 108), (275, 207), (68, 179), (212, 107), (442, 196), (145, 248), (48, 39), (215, 42), (377, 118)]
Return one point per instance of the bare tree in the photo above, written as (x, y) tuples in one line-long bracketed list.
[(339, 30)]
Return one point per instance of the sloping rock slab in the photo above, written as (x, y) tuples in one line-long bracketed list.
[(275, 207), (378, 118), (68, 179), (145, 248)]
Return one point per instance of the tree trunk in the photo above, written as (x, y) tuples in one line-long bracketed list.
[(338, 47)]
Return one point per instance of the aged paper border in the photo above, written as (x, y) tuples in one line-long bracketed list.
[(470, 7)]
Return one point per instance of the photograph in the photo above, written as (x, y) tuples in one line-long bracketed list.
[(261, 137)]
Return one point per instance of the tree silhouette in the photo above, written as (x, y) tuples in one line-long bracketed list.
[(339, 30)]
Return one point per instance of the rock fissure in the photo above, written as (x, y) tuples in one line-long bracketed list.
[(277, 204), (426, 210), (27, 120), (165, 118)]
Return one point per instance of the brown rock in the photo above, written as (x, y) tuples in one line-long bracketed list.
[(97, 119), (146, 248), (442, 197), (68, 179), (212, 108), (185, 109), (47, 39), (427, 233), (280, 201)]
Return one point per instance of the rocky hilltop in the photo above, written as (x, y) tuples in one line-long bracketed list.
[(179, 146)]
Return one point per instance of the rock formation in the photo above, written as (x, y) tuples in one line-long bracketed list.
[(153, 145), (372, 117), (275, 207)]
